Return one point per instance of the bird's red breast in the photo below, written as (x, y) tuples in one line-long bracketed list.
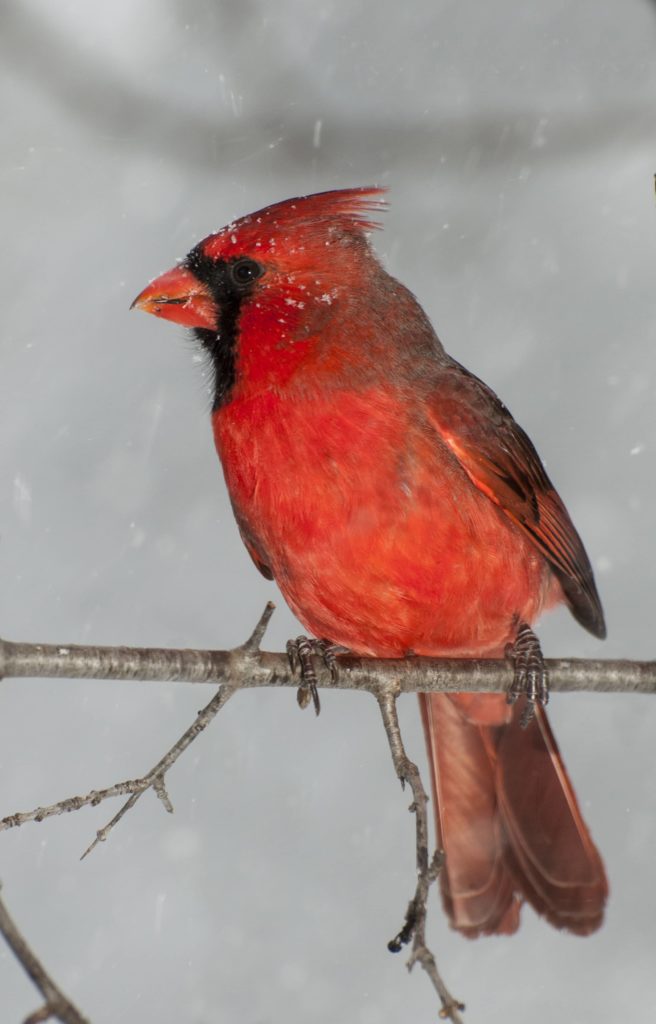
[(372, 529)]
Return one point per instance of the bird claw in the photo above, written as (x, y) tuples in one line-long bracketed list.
[(530, 676), (299, 653)]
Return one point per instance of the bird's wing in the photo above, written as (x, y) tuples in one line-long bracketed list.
[(501, 461)]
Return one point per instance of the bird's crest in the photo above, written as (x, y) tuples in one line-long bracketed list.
[(347, 209)]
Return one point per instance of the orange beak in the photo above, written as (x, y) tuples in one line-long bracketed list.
[(179, 296)]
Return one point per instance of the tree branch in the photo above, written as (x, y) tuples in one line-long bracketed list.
[(56, 1004), (243, 668), (154, 779), (414, 926), (247, 666)]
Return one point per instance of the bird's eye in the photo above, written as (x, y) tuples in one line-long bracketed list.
[(244, 271)]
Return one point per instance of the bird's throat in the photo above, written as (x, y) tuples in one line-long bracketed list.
[(221, 347)]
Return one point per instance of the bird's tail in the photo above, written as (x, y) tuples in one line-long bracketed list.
[(507, 819)]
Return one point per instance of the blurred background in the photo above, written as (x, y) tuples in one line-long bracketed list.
[(518, 144)]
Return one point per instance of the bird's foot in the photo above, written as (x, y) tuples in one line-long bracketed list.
[(300, 653), (530, 678)]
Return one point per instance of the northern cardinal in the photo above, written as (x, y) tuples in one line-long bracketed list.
[(401, 510)]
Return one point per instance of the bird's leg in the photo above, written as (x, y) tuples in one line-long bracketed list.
[(300, 652), (530, 676)]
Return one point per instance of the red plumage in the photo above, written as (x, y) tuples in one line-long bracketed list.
[(401, 510)]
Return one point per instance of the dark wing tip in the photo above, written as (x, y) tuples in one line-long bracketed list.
[(584, 603)]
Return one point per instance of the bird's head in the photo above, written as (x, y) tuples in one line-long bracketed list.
[(258, 292)]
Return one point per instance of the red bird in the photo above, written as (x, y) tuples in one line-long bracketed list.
[(400, 509)]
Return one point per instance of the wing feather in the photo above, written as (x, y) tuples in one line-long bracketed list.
[(500, 460)]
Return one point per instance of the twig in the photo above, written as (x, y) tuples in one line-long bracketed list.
[(56, 1004), (155, 777), (414, 926)]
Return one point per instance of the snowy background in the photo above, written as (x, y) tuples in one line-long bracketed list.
[(518, 143)]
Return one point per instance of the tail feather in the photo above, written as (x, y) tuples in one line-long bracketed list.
[(508, 821), (550, 850), (478, 890)]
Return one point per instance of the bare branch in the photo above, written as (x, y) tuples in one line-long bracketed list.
[(155, 777), (245, 667), (414, 926), (56, 1004)]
